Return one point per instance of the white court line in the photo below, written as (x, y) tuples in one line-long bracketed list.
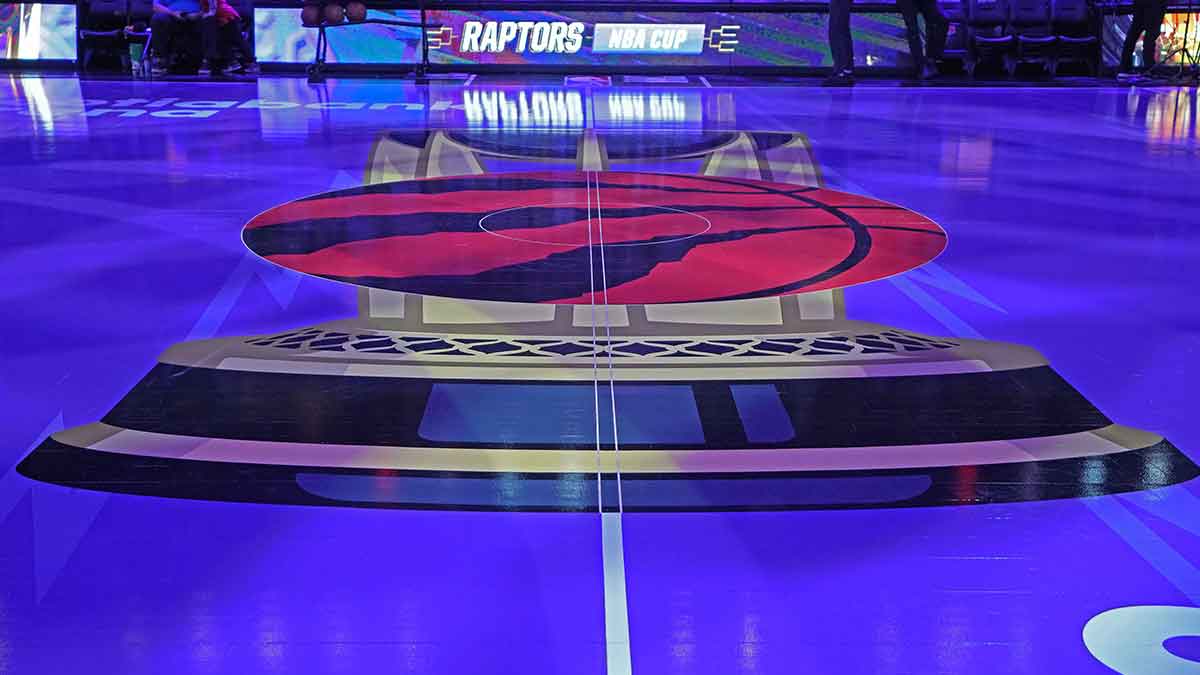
[(616, 610), (618, 659)]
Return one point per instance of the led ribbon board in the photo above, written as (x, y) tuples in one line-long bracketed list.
[(562, 37)]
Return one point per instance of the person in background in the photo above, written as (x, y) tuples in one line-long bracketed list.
[(841, 45), (228, 30), (936, 28), (172, 19), (1147, 18)]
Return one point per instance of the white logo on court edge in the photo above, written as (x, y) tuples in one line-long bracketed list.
[(1130, 639)]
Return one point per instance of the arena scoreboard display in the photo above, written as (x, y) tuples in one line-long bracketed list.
[(571, 39), (735, 36), (562, 37)]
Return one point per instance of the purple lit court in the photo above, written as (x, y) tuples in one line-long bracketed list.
[(556, 338)]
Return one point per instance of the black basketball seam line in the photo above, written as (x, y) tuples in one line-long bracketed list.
[(737, 235), (740, 235), (706, 210), (859, 230), (385, 188), (377, 188), (315, 222), (862, 247), (471, 214), (936, 233), (850, 221), (857, 253), (755, 189), (756, 186), (759, 190), (273, 232)]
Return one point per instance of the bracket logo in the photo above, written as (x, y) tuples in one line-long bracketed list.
[(724, 39), (437, 38)]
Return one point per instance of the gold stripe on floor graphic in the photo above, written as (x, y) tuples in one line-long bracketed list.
[(107, 438)]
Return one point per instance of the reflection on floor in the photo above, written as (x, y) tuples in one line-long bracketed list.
[(714, 315)]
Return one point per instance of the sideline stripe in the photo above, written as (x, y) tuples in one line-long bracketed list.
[(616, 611)]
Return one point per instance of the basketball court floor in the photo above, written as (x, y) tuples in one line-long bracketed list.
[(656, 377)]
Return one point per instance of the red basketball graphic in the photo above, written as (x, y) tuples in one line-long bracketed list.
[(580, 237)]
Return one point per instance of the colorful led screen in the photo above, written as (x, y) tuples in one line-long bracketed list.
[(30, 31), (714, 39)]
